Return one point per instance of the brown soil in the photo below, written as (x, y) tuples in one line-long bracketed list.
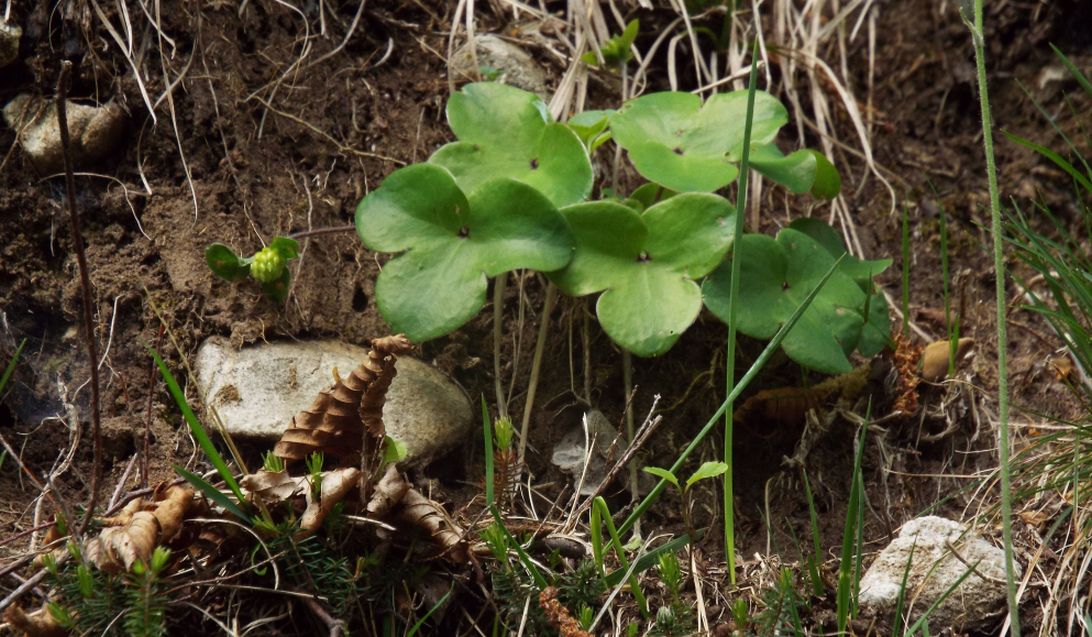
[(249, 145)]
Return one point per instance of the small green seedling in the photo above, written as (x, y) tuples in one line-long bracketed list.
[(507, 132), (704, 472), (591, 127), (775, 277), (645, 264), (678, 142), (268, 266), (617, 50), (452, 243), (394, 450)]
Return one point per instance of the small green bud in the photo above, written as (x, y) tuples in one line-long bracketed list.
[(268, 265), (504, 430)]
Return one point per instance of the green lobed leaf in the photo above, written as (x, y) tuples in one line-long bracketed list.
[(287, 247), (452, 243), (876, 331), (224, 263), (776, 275), (645, 264), (861, 270), (678, 142), (506, 132)]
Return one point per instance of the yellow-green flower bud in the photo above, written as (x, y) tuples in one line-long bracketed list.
[(268, 265)]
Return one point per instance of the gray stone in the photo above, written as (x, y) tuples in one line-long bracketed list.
[(943, 551), (571, 452), (94, 131), (513, 65), (257, 390), (9, 42)]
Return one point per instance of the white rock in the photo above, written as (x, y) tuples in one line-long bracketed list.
[(513, 65), (570, 453), (257, 390), (94, 131), (934, 568), (9, 42)]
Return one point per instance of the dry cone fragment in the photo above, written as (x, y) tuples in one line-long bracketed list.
[(335, 423)]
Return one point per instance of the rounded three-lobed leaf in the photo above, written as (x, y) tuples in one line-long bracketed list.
[(507, 132), (451, 243), (678, 142), (645, 264), (776, 275)]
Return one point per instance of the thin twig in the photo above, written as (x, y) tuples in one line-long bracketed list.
[(303, 234), (85, 290)]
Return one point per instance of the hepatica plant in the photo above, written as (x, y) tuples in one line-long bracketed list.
[(645, 264), (512, 192), (268, 266), (676, 141), (451, 242), (775, 277)]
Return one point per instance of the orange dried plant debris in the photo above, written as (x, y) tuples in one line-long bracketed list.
[(35, 624), (336, 422), (559, 616), (905, 361)]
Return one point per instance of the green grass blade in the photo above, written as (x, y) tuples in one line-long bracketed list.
[(620, 553), (421, 622), (739, 388), (905, 271), (817, 549), (846, 567), (10, 369), (897, 622), (733, 296), (1054, 157), (648, 560), (212, 493), (921, 624), (1074, 71), (198, 430)]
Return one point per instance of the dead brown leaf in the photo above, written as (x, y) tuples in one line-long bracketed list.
[(37, 624), (271, 487), (429, 515), (141, 526), (389, 491), (334, 487)]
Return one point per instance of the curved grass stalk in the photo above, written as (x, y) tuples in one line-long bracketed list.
[(978, 37)]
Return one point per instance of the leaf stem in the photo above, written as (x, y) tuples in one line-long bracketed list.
[(536, 367), (978, 37)]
